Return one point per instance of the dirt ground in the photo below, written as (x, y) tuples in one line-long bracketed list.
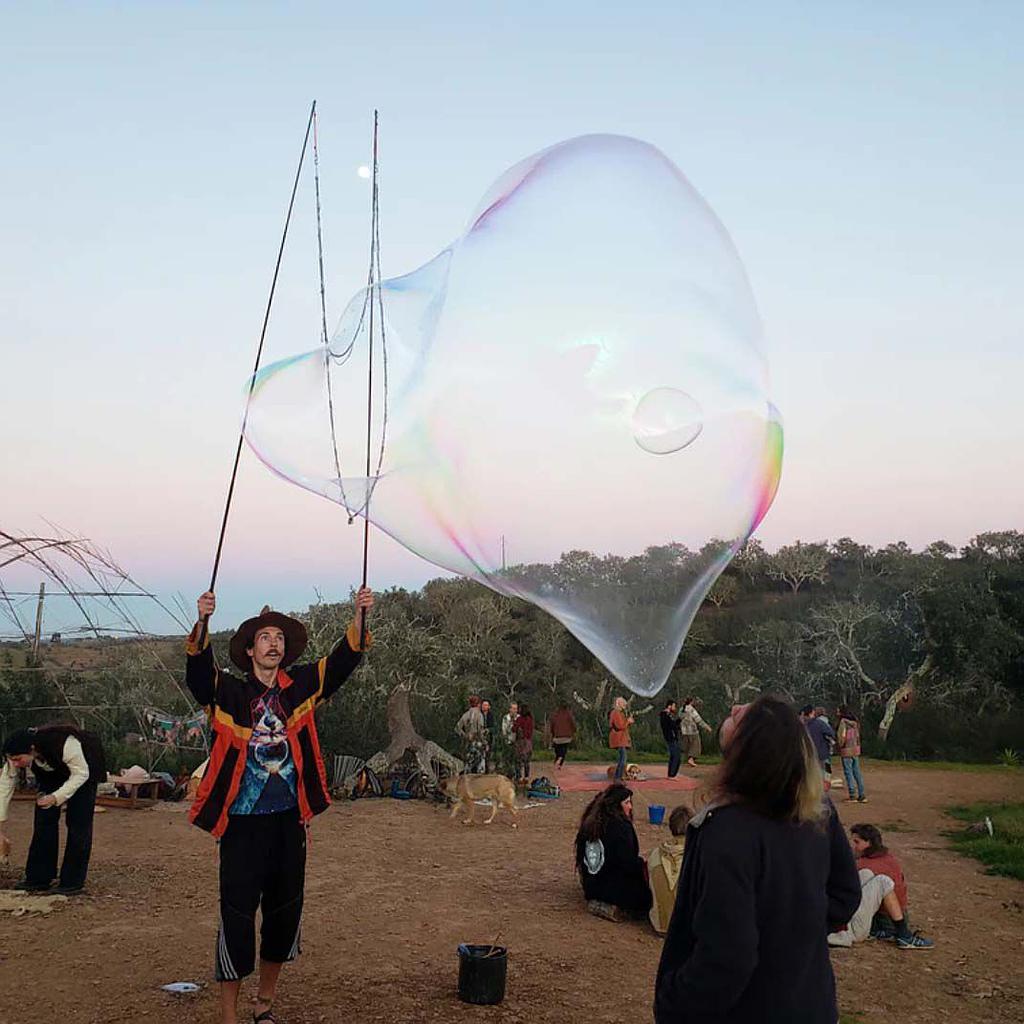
[(393, 888)]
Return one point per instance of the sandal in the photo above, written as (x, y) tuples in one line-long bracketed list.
[(266, 1017)]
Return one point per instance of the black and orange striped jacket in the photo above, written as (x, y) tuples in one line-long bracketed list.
[(228, 700)]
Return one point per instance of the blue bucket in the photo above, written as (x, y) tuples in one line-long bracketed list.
[(656, 813)]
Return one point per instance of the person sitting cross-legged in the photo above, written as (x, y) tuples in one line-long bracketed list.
[(882, 913), (612, 872), (664, 863)]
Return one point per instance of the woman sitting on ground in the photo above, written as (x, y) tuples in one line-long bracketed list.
[(608, 859), (767, 866), (883, 907), (664, 864)]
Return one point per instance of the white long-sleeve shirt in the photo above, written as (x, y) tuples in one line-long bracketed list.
[(73, 756)]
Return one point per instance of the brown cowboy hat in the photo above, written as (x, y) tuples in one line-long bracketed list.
[(295, 637)]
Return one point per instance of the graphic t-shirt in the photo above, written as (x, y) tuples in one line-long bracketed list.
[(268, 782)]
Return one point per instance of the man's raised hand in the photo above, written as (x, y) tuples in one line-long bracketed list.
[(364, 602), (206, 605)]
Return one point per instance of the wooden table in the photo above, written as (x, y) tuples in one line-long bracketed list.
[(136, 797)]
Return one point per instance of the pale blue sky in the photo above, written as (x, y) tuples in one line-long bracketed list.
[(865, 157)]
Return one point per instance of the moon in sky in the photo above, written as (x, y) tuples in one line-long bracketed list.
[(363, 172)]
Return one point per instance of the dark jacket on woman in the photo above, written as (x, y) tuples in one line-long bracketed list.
[(612, 870), (755, 902)]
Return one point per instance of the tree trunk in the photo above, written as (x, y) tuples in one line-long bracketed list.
[(902, 693), (404, 738), (400, 728)]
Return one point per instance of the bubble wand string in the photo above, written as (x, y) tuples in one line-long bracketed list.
[(339, 357), (373, 286), (256, 367)]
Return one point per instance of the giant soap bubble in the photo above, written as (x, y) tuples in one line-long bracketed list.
[(578, 411)]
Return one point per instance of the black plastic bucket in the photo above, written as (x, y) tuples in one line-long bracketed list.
[(482, 974)]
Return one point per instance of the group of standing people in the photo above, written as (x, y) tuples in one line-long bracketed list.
[(681, 730), (844, 740), (508, 747)]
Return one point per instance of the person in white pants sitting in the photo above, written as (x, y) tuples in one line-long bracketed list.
[(883, 891), (877, 892)]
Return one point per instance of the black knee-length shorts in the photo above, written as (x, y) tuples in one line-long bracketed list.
[(262, 866)]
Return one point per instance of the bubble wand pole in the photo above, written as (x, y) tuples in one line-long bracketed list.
[(374, 286), (256, 367)]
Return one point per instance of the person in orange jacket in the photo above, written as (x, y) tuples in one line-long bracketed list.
[(618, 735)]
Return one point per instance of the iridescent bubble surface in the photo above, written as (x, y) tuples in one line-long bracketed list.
[(577, 381)]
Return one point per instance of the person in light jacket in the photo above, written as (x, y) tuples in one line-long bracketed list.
[(689, 723)]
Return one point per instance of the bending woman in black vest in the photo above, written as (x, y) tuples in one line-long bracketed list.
[(68, 764)]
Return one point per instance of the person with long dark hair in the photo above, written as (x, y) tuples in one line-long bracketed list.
[(608, 859), (767, 874), (68, 764)]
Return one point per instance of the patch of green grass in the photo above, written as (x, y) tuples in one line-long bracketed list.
[(1002, 853), (940, 766), (895, 826)]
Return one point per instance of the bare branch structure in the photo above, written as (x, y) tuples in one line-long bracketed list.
[(103, 601)]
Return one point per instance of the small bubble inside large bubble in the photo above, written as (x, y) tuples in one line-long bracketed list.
[(666, 420)]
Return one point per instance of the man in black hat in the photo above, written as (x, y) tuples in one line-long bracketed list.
[(265, 780)]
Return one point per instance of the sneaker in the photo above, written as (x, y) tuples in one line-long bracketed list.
[(68, 890), (862, 799), (883, 934), (914, 941), (606, 910), (26, 886)]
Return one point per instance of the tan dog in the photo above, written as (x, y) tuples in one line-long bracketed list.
[(465, 790), (633, 773), (5, 852)]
